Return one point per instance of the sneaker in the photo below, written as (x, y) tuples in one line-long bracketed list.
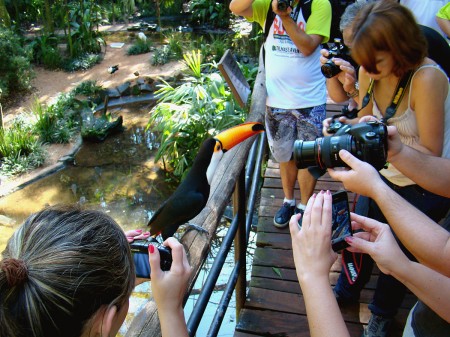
[(378, 326), (301, 211), (281, 219)]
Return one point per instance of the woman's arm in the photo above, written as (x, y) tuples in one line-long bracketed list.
[(313, 257), (428, 95), (242, 7), (169, 288), (430, 286)]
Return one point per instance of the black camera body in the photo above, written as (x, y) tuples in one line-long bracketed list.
[(366, 141), (284, 4), (139, 250), (339, 50)]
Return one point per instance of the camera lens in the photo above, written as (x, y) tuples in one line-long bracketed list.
[(283, 5), (330, 69), (306, 153), (331, 147)]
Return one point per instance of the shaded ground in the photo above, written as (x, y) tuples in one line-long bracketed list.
[(48, 84)]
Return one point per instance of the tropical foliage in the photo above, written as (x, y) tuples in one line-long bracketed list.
[(15, 68), (188, 114)]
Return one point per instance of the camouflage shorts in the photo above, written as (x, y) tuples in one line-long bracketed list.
[(285, 126)]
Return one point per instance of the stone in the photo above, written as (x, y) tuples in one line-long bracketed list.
[(124, 89), (113, 93)]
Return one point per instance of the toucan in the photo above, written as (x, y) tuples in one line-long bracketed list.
[(191, 195)]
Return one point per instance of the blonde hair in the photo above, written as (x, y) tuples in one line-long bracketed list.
[(390, 27), (59, 268)]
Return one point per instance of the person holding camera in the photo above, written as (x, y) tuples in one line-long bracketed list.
[(296, 92), (313, 256), (69, 272), (409, 224), (343, 84), (400, 86)]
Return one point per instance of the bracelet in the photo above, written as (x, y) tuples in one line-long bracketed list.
[(354, 94)]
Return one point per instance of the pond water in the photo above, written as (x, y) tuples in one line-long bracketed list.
[(119, 176)]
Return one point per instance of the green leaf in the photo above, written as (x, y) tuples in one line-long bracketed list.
[(277, 271)]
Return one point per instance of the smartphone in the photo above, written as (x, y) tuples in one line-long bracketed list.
[(342, 226), (139, 250)]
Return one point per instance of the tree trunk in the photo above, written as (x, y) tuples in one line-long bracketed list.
[(4, 15), (49, 26)]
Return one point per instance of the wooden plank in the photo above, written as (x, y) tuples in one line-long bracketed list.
[(273, 323)]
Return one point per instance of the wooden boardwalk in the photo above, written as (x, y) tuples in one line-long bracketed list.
[(274, 305)]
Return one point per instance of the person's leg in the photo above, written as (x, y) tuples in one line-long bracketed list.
[(309, 127), (307, 183), (288, 174), (281, 134)]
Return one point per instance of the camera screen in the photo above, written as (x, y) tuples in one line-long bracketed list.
[(341, 222), (141, 264)]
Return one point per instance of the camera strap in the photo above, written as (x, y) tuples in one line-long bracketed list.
[(399, 92)]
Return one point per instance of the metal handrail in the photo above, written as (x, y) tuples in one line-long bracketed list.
[(255, 156)]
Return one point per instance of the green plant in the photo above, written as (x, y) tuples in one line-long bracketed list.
[(45, 51), (15, 68), (210, 12), (82, 62), (20, 151), (186, 115), (88, 88), (83, 17), (139, 47), (57, 122), (161, 56)]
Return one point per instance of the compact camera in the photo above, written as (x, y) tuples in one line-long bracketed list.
[(342, 226), (283, 4), (139, 250), (366, 141), (339, 50)]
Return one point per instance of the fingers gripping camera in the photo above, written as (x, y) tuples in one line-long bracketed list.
[(139, 250), (366, 141)]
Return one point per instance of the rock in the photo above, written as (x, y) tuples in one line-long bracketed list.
[(146, 87), (113, 92), (124, 89)]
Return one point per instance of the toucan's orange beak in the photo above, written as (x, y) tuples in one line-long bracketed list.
[(238, 134)]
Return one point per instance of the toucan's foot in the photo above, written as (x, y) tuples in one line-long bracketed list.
[(198, 228)]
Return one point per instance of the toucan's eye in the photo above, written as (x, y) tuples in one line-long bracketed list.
[(218, 147)]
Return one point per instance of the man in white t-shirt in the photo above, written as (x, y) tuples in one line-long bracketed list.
[(296, 91)]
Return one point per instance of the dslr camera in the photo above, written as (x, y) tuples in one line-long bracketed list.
[(139, 250), (339, 50), (366, 141), (284, 4)]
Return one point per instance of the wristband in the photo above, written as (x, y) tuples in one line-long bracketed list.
[(353, 94)]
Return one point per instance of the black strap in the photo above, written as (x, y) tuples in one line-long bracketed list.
[(396, 98)]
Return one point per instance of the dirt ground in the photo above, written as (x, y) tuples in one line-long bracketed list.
[(48, 84)]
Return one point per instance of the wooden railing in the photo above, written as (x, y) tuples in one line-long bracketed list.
[(197, 245)]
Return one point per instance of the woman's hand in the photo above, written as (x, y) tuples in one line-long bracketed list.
[(327, 122), (136, 234), (395, 145), (378, 241), (169, 287), (362, 178), (311, 244)]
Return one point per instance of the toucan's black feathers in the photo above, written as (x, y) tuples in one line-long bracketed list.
[(188, 199)]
